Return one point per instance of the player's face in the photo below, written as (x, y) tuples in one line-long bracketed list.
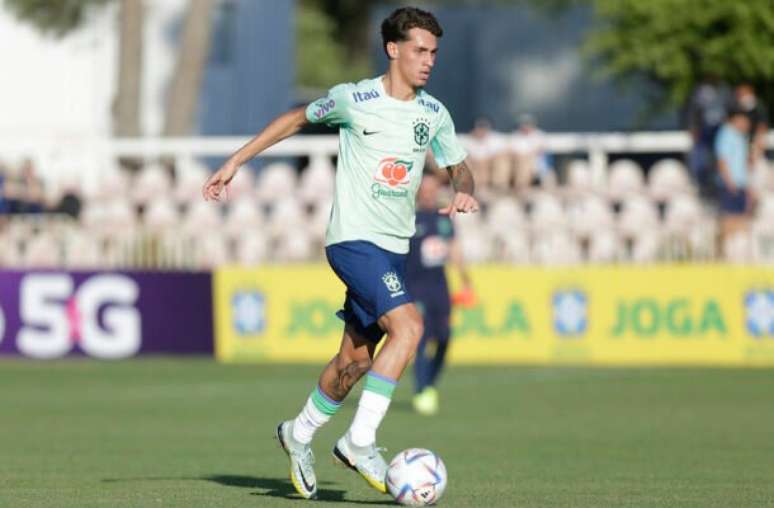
[(416, 56)]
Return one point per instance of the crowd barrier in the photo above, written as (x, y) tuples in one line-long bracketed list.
[(624, 315)]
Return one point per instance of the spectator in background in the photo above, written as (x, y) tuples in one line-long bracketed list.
[(70, 202), (485, 147), (732, 150), (3, 199), (755, 110), (706, 111), (432, 246), (529, 157)]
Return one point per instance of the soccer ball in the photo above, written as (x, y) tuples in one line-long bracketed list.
[(416, 477)]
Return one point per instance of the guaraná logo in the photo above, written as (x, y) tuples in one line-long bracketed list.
[(394, 172)]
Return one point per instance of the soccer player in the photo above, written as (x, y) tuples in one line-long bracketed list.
[(386, 125), (432, 246)]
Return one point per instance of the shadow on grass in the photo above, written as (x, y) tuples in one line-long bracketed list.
[(272, 487)]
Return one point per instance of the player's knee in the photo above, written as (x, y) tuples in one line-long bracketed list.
[(410, 332)]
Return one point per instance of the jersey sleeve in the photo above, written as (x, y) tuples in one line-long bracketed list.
[(333, 109), (446, 148)]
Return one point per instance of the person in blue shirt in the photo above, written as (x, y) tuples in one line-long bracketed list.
[(430, 249), (732, 150)]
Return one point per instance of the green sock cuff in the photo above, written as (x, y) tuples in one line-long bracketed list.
[(325, 404), (382, 385)]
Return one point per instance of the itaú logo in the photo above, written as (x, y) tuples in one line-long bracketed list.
[(99, 316)]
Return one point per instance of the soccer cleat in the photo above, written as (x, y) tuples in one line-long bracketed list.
[(366, 461), (301, 461), (426, 401)]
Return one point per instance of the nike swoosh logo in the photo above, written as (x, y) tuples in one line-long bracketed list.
[(368, 133), (303, 479)]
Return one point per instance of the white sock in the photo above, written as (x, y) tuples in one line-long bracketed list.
[(370, 413), (316, 412)]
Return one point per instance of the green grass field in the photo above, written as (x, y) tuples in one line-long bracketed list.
[(192, 433)]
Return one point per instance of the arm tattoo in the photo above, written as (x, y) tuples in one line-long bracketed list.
[(461, 178)]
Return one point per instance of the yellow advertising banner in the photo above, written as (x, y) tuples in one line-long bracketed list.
[(632, 315)]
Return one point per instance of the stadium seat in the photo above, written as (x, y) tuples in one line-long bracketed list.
[(646, 246), (276, 181), (202, 215), (579, 181), (242, 185), (152, 181), (637, 213), (252, 248), (210, 250), (738, 248), (286, 213), (505, 218), (317, 181), (667, 178), (83, 251), (243, 216), (589, 215), (293, 245), (189, 182), (515, 248), (625, 178), (555, 248), (318, 221), (604, 247), (42, 251), (547, 212), (161, 213)]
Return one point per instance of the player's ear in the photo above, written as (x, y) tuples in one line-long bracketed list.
[(392, 50)]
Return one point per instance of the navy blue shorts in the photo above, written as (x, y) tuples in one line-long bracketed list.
[(733, 203), (375, 284)]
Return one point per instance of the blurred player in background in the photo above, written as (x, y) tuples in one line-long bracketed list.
[(386, 126), (432, 246)]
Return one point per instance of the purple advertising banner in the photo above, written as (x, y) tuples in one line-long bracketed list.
[(111, 315)]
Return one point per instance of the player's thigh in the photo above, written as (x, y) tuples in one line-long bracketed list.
[(404, 322)]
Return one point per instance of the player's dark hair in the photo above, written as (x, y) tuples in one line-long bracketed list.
[(396, 26)]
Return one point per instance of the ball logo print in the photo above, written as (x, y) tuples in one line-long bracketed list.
[(394, 172), (759, 313), (99, 316), (416, 477)]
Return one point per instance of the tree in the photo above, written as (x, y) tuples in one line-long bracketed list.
[(678, 43), (60, 17), (186, 82)]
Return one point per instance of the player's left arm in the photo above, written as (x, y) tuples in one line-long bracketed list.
[(462, 181)]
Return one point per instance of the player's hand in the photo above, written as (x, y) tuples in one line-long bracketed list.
[(218, 181), (462, 203)]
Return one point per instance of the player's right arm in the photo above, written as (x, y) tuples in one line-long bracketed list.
[(333, 109), (280, 128)]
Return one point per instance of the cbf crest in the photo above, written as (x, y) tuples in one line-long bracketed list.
[(421, 131)]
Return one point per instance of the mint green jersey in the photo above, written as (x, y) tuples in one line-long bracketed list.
[(383, 142)]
